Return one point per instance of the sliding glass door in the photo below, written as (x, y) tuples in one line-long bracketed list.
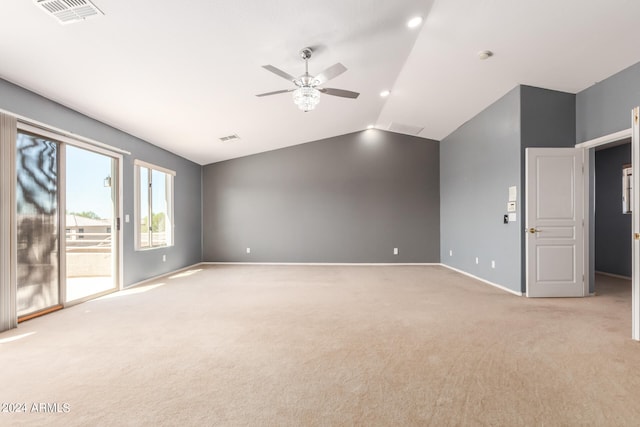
[(91, 223), (67, 204)]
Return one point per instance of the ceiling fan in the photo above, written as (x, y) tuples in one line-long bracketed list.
[(307, 93)]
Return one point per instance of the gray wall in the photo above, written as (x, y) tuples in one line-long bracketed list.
[(478, 163), (612, 227), (548, 119), (142, 264), (605, 107), (351, 198)]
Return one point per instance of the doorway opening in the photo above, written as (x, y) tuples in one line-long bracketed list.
[(612, 219), (613, 284)]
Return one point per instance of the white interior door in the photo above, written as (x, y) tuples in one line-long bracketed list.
[(635, 221), (554, 222)]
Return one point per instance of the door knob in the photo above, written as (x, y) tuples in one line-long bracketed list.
[(533, 230)]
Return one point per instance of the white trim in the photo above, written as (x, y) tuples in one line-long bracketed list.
[(61, 133), (62, 222), (635, 225), (169, 188), (349, 264), (586, 235), (138, 162), (495, 285), (617, 276), (160, 276), (606, 139)]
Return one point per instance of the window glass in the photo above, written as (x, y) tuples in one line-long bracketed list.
[(154, 207)]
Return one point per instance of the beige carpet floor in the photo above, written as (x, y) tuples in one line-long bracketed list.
[(326, 345)]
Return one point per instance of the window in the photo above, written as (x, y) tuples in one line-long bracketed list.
[(154, 206)]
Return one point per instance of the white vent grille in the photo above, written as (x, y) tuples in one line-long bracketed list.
[(405, 129), (229, 138), (68, 11)]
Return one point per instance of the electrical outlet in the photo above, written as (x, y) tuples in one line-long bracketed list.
[(164, 258), (493, 264), (450, 252), (395, 251), (126, 218), (248, 250), (477, 260)]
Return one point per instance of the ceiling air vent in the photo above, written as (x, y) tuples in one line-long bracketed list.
[(405, 129), (229, 138), (69, 11)]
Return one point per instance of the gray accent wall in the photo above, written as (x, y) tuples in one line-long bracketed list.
[(351, 198), (478, 163), (605, 107), (138, 265), (612, 227)]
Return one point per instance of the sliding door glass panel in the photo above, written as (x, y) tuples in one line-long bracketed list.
[(90, 228), (38, 257)]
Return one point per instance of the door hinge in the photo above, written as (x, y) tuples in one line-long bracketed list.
[(636, 236), (118, 224)]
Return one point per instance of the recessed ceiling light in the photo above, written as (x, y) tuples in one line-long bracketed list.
[(370, 127), (385, 93), (414, 22), (485, 54)]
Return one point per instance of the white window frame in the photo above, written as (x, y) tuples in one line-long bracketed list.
[(137, 213)]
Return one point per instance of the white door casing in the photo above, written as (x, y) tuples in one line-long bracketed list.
[(635, 228), (554, 222)]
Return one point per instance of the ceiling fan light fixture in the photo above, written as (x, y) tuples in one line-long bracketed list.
[(306, 98)]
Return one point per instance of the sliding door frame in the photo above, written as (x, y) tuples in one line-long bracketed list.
[(118, 157)]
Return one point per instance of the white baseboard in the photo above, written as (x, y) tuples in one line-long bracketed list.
[(348, 264), (495, 285), (354, 264), (617, 276), (170, 273)]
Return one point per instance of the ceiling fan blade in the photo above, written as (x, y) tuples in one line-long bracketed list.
[(276, 92), (340, 92), (279, 72), (330, 73)]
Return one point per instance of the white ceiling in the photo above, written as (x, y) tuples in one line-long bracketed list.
[(182, 74)]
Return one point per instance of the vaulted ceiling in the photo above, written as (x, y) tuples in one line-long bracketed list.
[(183, 74)]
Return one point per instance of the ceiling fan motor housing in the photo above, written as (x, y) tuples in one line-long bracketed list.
[(305, 53)]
